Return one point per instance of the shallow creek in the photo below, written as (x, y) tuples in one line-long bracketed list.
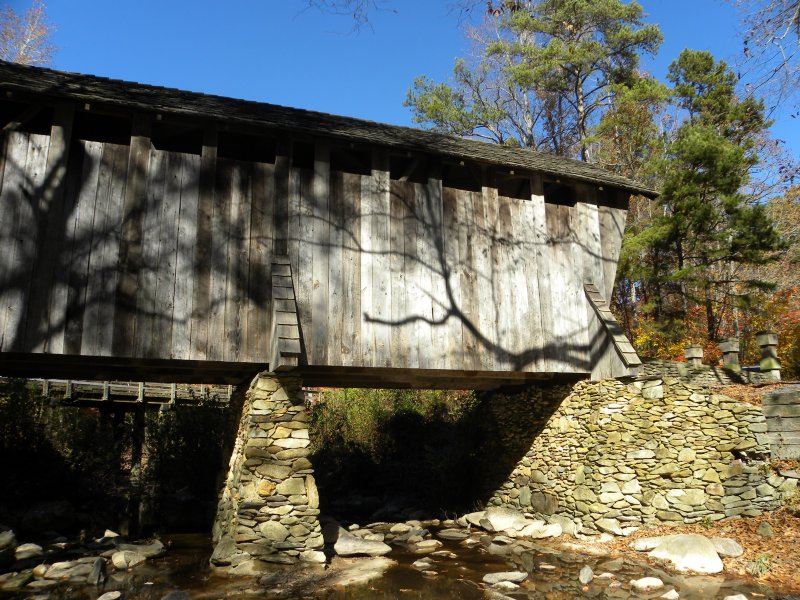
[(552, 575)]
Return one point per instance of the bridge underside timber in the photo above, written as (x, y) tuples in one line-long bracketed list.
[(171, 236), (100, 368)]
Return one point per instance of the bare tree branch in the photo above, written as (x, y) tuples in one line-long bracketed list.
[(26, 39)]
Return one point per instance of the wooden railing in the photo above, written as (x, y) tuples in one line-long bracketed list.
[(74, 391)]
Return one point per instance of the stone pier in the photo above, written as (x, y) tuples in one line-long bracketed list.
[(269, 506)]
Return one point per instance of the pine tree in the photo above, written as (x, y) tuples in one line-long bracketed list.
[(708, 226), (548, 70)]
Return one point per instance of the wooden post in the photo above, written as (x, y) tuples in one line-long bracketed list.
[(730, 354), (105, 390), (68, 391), (135, 482), (768, 344), (694, 355)]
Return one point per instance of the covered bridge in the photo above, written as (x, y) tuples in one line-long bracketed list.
[(159, 234)]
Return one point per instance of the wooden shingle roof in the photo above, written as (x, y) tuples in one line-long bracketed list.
[(90, 88)]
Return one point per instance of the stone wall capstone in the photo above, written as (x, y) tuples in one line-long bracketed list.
[(614, 456), (269, 505)]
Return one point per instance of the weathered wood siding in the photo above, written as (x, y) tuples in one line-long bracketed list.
[(70, 251), (132, 251), (411, 275), (782, 413)]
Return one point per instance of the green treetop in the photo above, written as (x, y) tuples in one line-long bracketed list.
[(548, 68)]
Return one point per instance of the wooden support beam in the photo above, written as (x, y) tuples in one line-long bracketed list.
[(611, 328)]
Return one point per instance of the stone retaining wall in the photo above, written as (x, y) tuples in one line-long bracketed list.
[(269, 506), (702, 375), (614, 456)]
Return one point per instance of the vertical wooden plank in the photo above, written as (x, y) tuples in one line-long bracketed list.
[(282, 198), (399, 332), (578, 331), (91, 342), (185, 258), (15, 215), (543, 268), (351, 270), (321, 247), (304, 279), (131, 240), (367, 258), (336, 291), (440, 303), (499, 214), (381, 275), (423, 300), (239, 257), (29, 237), (81, 243), (218, 277), (110, 251), (259, 287), (233, 242), (146, 300), (15, 150), (452, 267), (472, 346), (557, 295), (292, 227), (161, 342), (39, 327), (411, 268), (521, 326), (201, 290), (525, 230), (485, 277), (612, 229), (589, 234)]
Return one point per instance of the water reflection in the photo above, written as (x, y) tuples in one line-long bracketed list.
[(458, 569)]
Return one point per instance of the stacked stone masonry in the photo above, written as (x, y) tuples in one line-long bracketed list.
[(269, 506), (703, 375), (614, 456)]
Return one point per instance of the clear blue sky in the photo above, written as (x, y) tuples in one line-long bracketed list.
[(280, 51)]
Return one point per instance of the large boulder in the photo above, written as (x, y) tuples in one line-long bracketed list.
[(25, 551), (350, 545), (223, 551), (69, 570), (498, 518), (727, 547), (688, 552), (151, 550), (8, 543), (540, 529), (127, 559), (512, 576)]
